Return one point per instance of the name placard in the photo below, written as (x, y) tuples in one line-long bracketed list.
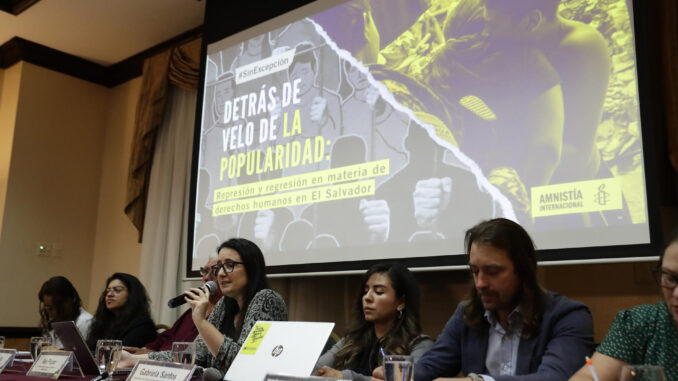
[(50, 364), (6, 358), (150, 370)]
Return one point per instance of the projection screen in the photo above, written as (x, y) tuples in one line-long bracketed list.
[(348, 132)]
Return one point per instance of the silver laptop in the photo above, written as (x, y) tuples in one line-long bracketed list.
[(279, 347), (72, 340)]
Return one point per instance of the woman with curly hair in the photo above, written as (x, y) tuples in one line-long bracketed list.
[(123, 313), (386, 316)]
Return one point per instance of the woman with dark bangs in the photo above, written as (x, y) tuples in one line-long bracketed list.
[(386, 316), (247, 299)]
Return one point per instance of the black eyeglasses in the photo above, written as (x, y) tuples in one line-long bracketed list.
[(114, 289), (666, 279), (228, 267)]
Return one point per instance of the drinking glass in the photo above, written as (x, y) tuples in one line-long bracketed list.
[(37, 343), (398, 368), (107, 355), (642, 373), (183, 352)]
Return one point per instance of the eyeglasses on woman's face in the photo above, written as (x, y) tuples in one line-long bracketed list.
[(666, 279), (228, 267), (114, 289)]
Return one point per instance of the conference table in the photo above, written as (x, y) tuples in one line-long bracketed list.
[(21, 376), (22, 364), (17, 372)]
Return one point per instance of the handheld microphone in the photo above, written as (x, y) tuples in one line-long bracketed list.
[(212, 374), (179, 300)]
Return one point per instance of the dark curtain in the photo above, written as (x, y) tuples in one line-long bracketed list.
[(668, 19), (180, 66)]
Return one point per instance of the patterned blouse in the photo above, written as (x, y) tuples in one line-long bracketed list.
[(266, 305), (645, 334)]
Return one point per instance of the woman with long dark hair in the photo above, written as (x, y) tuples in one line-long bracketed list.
[(386, 315), (241, 275), (123, 313), (59, 301)]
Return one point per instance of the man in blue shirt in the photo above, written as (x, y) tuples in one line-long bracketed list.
[(510, 328)]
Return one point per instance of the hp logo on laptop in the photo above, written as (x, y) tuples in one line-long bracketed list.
[(277, 350)]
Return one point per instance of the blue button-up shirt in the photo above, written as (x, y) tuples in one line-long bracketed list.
[(502, 345)]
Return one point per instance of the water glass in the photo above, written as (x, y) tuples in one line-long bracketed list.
[(37, 343), (642, 373), (183, 352), (398, 368), (107, 355)]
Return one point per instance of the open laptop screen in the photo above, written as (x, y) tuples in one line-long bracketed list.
[(73, 341), (290, 348)]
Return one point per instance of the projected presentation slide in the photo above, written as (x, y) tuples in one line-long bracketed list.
[(384, 129)]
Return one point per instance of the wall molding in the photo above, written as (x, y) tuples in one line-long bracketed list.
[(19, 49)]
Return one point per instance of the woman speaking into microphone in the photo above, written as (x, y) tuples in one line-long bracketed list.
[(241, 277)]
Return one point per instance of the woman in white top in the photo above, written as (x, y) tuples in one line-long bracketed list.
[(59, 301)]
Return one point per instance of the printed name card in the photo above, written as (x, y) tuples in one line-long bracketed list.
[(6, 358), (150, 370), (50, 364)]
